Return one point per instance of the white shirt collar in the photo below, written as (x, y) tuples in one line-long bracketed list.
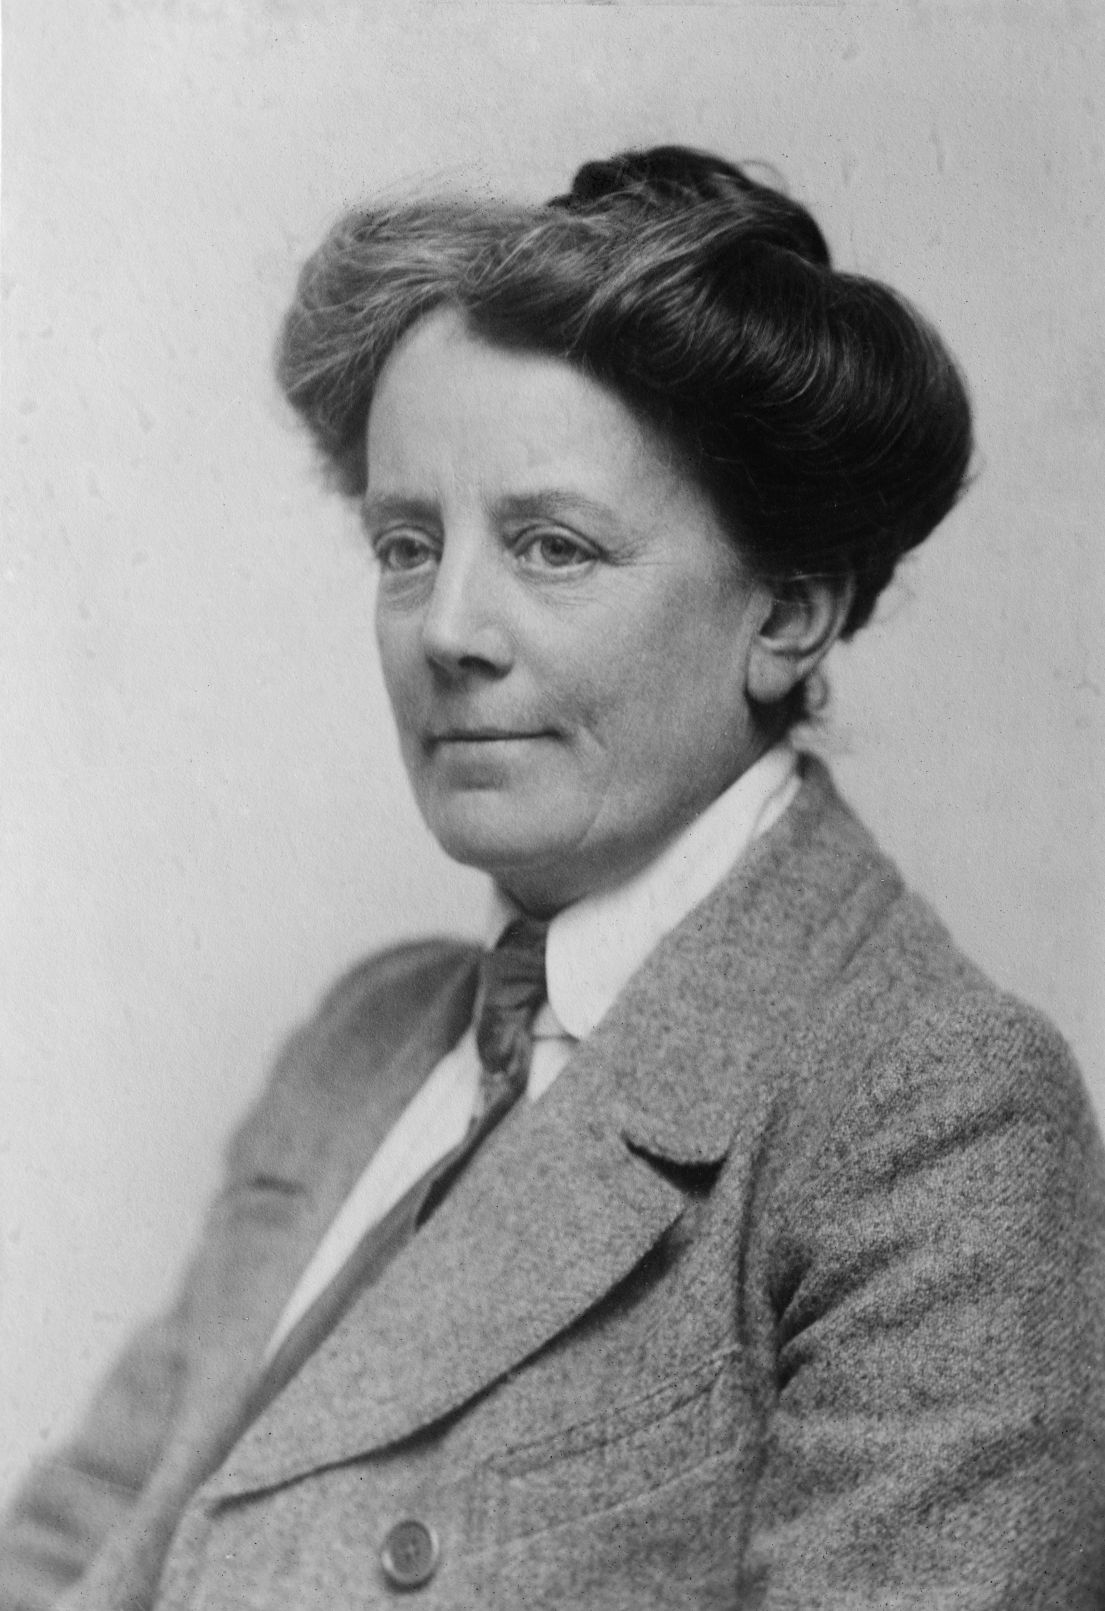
[(596, 945)]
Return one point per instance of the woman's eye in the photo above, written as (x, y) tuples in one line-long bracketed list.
[(402, 551), (555, 550)]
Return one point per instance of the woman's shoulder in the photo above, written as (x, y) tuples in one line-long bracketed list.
[(908, 1024), (398, 977), (945, 1042), (399, 1007), (924, 1109)]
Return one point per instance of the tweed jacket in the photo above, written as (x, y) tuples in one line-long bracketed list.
[(790, 1293)]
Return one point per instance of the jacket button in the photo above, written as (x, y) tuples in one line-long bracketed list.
[(409, 1554)]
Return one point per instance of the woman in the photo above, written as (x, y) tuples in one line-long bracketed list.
[(721, 1237)]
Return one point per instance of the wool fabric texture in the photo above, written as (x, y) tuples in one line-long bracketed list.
[(789, 1294)]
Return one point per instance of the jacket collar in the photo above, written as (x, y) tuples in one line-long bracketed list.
[(562, 1202), (755, 956), (596, 945)]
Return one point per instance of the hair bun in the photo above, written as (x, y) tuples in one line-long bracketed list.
[(667, 172), (667, 176)]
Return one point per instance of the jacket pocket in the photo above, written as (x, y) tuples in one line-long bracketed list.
[(635, 1447)]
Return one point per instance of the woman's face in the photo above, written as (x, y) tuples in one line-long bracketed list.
[(564, 628)]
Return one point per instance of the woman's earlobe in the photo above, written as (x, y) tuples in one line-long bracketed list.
[(798, 631)]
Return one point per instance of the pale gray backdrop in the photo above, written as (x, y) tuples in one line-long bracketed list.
[(203, 813)]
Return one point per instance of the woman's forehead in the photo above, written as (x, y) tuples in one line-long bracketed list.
[(450, 404)]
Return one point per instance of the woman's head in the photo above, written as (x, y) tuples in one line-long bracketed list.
[(630, 463), (821, 414)]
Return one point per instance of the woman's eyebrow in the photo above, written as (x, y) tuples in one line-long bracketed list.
[(376, 507), (550, 502), (546, 503)]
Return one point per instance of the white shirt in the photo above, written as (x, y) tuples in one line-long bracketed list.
[(592, 951)]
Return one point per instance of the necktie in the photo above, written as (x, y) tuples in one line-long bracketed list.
[(511, 991), (509, 996)]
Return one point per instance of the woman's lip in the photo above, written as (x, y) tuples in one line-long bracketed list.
[(483, 735)]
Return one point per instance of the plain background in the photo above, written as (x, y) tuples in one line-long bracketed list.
[(203, 813)]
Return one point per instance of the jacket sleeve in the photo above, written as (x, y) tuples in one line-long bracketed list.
[(74, 1499), (86, 1492), (938, 1437), (77, 1506)]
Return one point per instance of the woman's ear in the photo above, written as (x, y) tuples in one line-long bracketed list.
[(799, 628)]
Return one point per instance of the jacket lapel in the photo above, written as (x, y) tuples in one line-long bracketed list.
[(560, 1204), (331, 1101), (551, 1213)]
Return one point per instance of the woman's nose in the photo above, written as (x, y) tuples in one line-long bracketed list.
[(464, 626)]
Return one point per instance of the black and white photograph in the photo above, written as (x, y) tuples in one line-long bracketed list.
[(552, 806)]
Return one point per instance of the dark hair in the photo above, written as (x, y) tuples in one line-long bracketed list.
[(820, 411)]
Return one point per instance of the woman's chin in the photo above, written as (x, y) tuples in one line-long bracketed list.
[(478, 832)]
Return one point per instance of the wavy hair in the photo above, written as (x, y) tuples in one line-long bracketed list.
[(823, 415)]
